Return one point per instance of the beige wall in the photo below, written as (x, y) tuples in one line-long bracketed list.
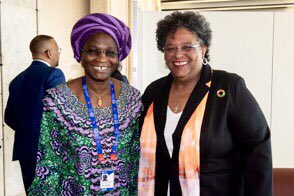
[(19, 25), (59, 25), (21, 21), (121, 9)]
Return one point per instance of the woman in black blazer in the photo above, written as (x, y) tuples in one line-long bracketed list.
[(203, 132)]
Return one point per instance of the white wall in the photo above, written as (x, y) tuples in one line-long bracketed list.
[(283, 90), (242, 44), (251, 44)]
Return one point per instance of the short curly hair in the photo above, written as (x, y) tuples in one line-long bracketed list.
[(192, 21)]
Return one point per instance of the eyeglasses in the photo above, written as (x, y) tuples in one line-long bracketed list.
[(94, 53), (184, 48), (59, 50)]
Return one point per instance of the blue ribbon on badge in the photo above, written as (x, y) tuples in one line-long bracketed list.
[(94, 121)]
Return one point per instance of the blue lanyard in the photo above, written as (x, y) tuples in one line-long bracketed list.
[(94, 121)]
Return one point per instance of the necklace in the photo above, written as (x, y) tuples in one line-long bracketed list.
[(99, 96), (176, 108)]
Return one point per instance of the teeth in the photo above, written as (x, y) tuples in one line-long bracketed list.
[(180, 63), (100, 68)]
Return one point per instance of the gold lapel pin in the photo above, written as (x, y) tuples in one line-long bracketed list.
[(221, 93)]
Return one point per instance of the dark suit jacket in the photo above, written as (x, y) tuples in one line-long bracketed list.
[(235, 149), (24, 107)]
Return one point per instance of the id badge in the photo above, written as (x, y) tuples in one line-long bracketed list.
[(106, 180)]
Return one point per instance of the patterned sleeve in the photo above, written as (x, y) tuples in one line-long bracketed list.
[(51, 153), (135, 145), (135, 156)]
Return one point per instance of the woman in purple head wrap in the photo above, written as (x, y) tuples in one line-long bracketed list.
[(89, 142)]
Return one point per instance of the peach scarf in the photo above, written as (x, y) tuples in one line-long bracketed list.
[(189, 154)]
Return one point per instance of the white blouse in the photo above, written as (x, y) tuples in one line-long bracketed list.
[(171, 123)]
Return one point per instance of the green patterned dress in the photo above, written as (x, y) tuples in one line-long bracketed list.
[(67, 161)]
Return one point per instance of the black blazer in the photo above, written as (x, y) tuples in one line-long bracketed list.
[(24, 108), (235, 148)]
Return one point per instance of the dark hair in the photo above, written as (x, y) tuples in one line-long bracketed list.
[(38, 42), (192, 21)]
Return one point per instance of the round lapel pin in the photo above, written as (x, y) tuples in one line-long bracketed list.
[(221, 93)]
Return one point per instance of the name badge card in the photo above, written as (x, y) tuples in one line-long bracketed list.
[(107, 180)]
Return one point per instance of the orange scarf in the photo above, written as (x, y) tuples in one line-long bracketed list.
[(189, 154)]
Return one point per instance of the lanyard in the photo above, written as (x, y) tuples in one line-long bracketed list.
[(94, 121)]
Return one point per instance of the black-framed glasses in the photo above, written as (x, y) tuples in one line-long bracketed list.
[(94, 53), (184, 48)]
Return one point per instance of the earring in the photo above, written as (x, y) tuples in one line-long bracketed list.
[(205, 61)]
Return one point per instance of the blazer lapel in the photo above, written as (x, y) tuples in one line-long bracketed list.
[(195, 98), (160, 108)]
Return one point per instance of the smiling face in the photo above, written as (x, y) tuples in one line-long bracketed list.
[(184, 55), (99, 57)]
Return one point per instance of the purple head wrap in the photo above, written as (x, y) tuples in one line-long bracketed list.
[(101, 23)]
